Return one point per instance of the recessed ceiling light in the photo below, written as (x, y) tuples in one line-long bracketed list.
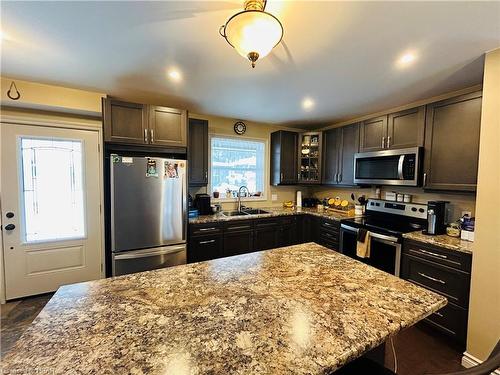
[(406, 59), (175, 75), (307, 104)]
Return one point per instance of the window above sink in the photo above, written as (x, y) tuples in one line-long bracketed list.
[(236, 162)]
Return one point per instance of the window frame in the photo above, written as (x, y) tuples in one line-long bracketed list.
[(222, 199)]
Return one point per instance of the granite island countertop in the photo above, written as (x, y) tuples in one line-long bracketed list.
[(441, 240), (272, 212), (300, 309)]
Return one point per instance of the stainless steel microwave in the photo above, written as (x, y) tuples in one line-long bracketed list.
[(388, 167)]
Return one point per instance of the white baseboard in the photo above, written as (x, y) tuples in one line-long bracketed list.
[(469, 360)]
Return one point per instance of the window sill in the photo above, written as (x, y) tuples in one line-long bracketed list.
[(243, 199)]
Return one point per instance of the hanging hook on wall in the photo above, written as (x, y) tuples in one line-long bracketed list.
[(16, 94)]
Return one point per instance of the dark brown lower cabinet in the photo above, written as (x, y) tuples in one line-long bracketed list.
[(446, 272), (329, 233), (205, 248), (220, 239), (266, 235), (236, 243)]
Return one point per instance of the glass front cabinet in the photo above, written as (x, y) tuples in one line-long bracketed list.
[(309, 158)]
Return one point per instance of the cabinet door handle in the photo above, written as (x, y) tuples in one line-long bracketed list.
[(340, 177), (145, 135), (205, 229), (433, 254), (388, 141), (152, 136), (336, 178), (432, 278), (205, 242), (383, 142), (281, 176), (425, 179)]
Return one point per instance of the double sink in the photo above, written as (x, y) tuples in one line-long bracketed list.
[(254, 211)]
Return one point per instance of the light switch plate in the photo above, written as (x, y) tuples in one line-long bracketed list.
[(274, 197)]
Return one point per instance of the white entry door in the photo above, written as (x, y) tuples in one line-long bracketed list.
[(51, 222)]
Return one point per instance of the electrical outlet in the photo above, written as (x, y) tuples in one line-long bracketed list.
[(468, 213), (274, 197)]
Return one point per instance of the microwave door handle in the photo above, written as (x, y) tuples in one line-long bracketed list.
[(400, 167)]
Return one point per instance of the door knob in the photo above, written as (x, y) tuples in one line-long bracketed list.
[(9, 215), (10, 227)]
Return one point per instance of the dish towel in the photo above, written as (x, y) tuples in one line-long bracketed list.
[(363, 243)]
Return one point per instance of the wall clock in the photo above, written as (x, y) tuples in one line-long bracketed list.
[(240, 128)]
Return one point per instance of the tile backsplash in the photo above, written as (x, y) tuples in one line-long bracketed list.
[(458, 201)]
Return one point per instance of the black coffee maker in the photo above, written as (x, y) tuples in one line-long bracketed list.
[(202, 203), (436, 217)]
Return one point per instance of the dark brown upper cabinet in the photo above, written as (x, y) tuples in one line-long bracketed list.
[(373, 133), (309, 157), (331, 154), (452, 143), (284, 157), (124, 122), (167, 126), (406, 128), (339, 147), (198, 152), (133, 123), (396, 130)]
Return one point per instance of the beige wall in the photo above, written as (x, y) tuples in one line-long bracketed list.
[(223, 125), (484, 313), (52, 98)]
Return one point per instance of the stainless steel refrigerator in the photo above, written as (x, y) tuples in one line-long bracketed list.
[(148, 213)]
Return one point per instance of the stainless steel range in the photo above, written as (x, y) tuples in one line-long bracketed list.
[(386, 221)]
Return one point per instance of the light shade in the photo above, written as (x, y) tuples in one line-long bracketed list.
[(253, 33)]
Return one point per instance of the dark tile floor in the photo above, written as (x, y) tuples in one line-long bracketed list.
[(419, 349), (16, 316)]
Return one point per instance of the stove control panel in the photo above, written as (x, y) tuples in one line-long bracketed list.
[(416, 210)]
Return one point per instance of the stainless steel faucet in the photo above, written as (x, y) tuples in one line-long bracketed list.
[(239, 196)]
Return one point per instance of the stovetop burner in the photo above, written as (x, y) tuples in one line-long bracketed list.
[(391, 218)]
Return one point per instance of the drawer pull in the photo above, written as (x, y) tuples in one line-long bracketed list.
[(432, 278), (439, 314), (240, 227), (205, 242), (433, 254), (327, 224), (205, 229)]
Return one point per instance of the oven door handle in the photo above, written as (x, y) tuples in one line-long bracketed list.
[(400, 167), (374, 235), (383, 237)]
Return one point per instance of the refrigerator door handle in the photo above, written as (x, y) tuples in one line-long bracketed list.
[(145, 254)]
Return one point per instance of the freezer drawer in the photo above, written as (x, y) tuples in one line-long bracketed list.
[(148, 259)]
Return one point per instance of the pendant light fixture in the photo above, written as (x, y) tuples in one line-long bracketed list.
[(253, 32)]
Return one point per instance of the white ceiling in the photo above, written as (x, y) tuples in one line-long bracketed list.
[(341, 54)]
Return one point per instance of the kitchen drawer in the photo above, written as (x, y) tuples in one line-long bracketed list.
[(329, 237), (451, 320), (239, 225), (451, 258), (204, 229), (288, 220), (330, 226), (449, 282), (266, 223), (201, 248)]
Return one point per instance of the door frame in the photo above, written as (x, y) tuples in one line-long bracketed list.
[(62, 123)]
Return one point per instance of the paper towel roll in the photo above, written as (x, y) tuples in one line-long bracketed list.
[(299, 198)]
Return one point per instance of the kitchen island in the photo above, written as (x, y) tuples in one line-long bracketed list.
[(300, 309)]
